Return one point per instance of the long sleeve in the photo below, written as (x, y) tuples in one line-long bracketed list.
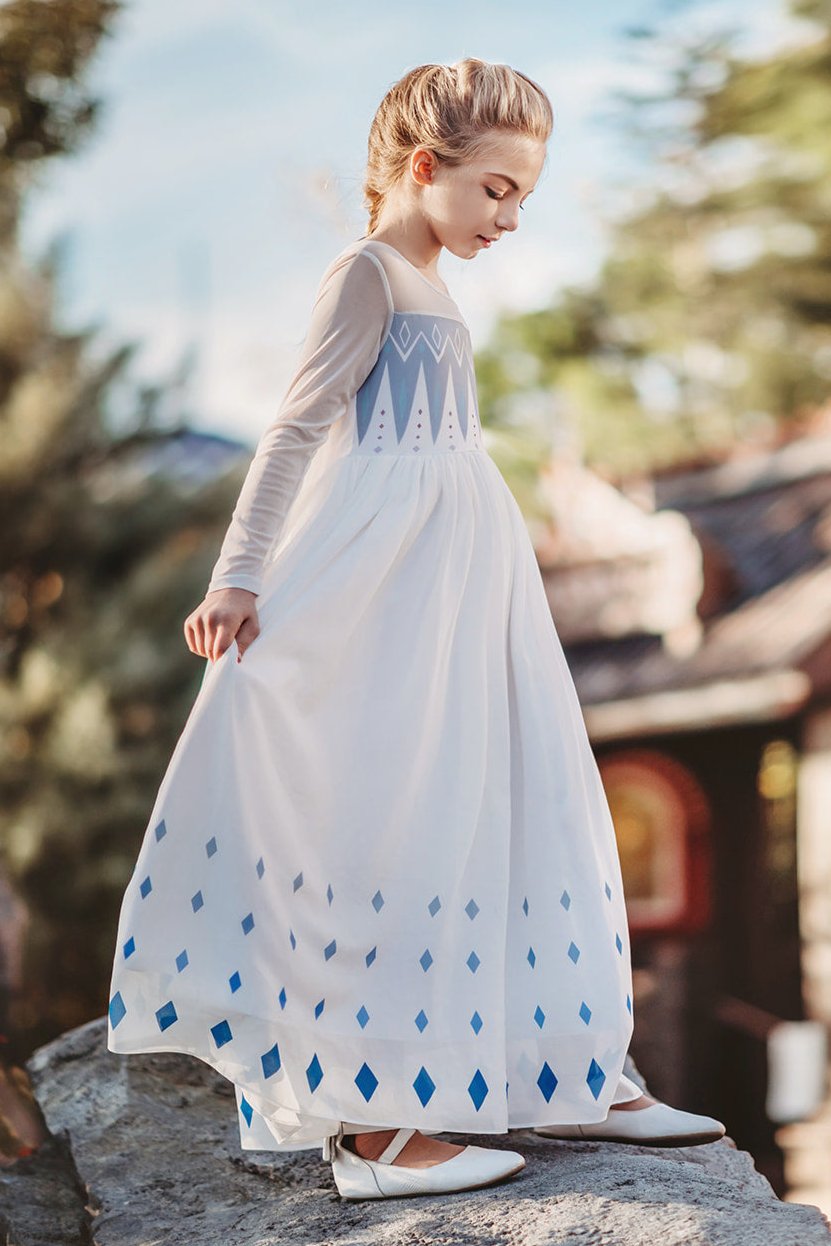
[(350, 316)]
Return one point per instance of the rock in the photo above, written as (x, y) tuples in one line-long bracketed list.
[(155, 1141)]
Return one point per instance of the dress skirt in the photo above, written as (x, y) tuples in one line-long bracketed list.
[(380, 881)]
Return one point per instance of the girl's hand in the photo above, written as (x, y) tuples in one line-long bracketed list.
[(226, 614)]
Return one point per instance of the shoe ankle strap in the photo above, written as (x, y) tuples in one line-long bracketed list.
[(396, 1144)]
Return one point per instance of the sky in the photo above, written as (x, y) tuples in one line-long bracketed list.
[(225, 170)]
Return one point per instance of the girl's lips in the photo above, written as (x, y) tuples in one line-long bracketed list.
[(484, 240)]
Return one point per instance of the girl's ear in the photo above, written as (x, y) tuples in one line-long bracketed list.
[(423, 165)]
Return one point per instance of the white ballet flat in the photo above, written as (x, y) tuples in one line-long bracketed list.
[(655, 1125), (470, 1169)]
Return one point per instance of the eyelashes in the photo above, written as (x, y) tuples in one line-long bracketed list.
[(494, 195)]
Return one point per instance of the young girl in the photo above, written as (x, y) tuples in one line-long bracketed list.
[(379, 888)]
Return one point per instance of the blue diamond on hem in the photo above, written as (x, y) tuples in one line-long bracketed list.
[(161, 831), (117, 1009), (292, 939), (222, 1033), (166, 1015), (270, 1061), (282, 997), (260, 868), (330, 949), (478, 1089), (476, 1023), (377, 902), (366, 1081), (330, 895), (547, 1081), (618, 944), (595, 1078), (210, 846), (525, 906), (473, 962), (182, 959), (434, 906), (585, 1012), (319, 1007), (425, 959), (246, 1109), (608, 891), (196, 902), (573, 952), (298, 882), (471, 908), (565, 900), (421, 1020), (235, 981), (129, 947), (424, 1086), (370, 956), (532, 959), (314, 1073), (362, 1016), (247, 923), (539, 1016), (145, 887)]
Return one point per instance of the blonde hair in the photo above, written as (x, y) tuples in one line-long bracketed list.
[(448, 109)]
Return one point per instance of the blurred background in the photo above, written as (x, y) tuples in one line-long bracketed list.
[(653, 352)]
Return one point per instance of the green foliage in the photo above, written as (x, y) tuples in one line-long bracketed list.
[(100, 563), (710, 319)]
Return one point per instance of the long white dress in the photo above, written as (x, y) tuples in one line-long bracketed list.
[(380, 882)]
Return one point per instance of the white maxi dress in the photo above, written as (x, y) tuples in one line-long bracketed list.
[(380, 883)]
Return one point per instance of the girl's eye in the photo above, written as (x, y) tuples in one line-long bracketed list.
[(494, 195)]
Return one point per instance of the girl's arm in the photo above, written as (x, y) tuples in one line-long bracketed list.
[(350, 317)]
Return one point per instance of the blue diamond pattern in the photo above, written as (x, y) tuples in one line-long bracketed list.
[(377, 902), (425, 959), (573, 952), (478, 1089), (282, 997), (608, 891), (298, 882), (424, 1086), (628, 1003), (471, 908), (161, 831), (246, 1109), (247, 923), (473, 962), (330, 949), (362, 1016), (476, 1023), (330, 893), (270, 1061), (434, 906), (366, 1081), (196, 901), (129, 947), (166, 1015), (370, 956), (539, 1016), (585, 1012), (319, 1008), (525, 906), (547, 1081), (314, 1073), (210, 846), (260, 868), (532, 959), (421, 1020), (565, 900), (618, 944), (595, 1078), (117, 1009), (292, 939), (182, 959), (222, 1033), (145, 887), (235, 981)]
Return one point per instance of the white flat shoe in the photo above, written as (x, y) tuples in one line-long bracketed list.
[(655, 1125), (470, 1169)]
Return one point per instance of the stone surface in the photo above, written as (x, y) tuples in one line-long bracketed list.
[(154, 1138)]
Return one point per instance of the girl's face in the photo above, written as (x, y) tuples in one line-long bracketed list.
[(467, 205)]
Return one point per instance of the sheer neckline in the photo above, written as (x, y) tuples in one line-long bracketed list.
[(378, 242)]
